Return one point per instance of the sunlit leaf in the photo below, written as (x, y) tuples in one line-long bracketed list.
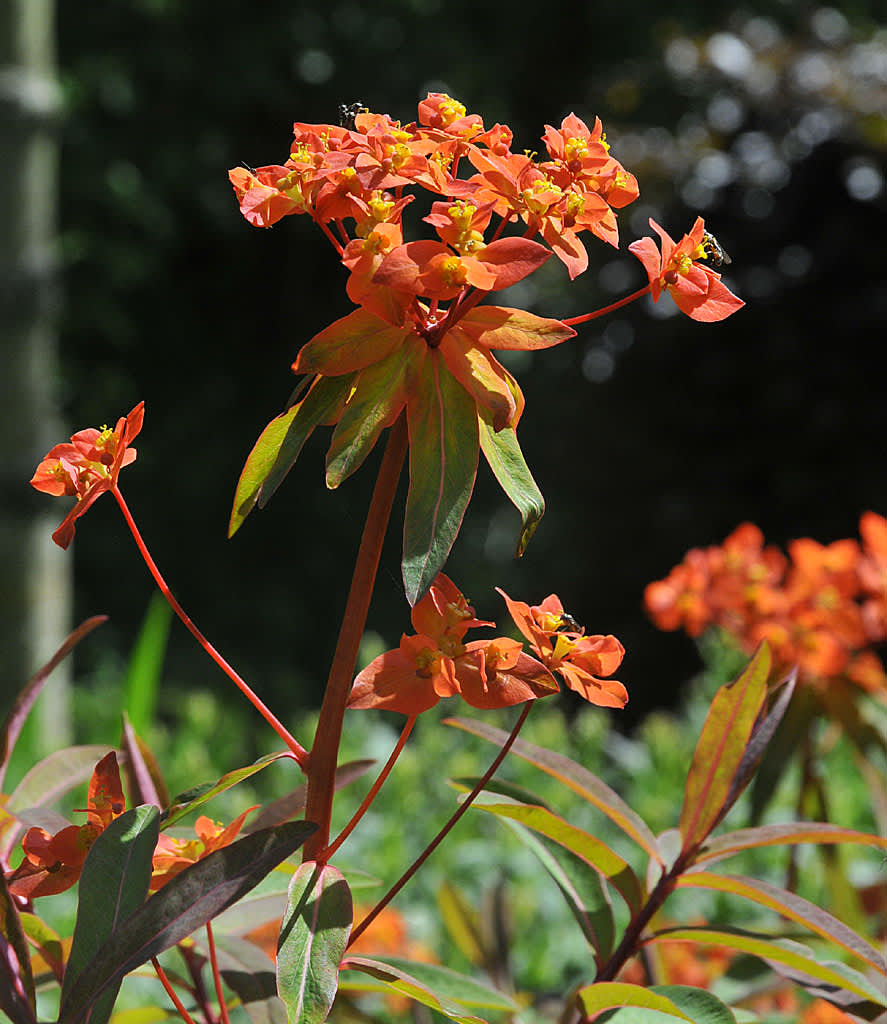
[(586, 846), (462, 922), (501, 327), (790, 954), (313, 934), (113, 885), (443, 990), (192, 898), (184, 803), (444, 445), (506, 460), (280, 443), (575, 777), (663, 999), (792, 906), (47, 945), (722, 743), (779, 834)]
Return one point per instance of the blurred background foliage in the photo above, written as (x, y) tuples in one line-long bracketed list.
[(648, 434)]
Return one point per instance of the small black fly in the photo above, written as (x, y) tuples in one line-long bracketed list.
[(714, 251), (348, 112)]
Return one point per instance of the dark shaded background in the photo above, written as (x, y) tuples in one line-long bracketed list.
[(648, 434)]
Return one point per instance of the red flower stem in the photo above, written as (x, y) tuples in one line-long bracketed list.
[(337, 245), (325, 750), (217, 978), (374, 789), (300, 755), (454, 817), (573, 320), (171, 992)]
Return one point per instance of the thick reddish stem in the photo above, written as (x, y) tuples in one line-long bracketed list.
[(299, 753), (438, 839), (374, 789), (573, 320), (325, 751)]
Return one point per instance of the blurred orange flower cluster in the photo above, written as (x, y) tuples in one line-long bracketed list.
[(822, 607)]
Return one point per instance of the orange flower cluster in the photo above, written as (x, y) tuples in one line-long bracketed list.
[(87, 466), (435, 663), (822, 607), (53, 863)]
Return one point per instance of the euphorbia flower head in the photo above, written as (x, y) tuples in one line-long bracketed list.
[(436, 663), (696, 289), (53, 863), (173, 855), (562, 647), (87, 466)]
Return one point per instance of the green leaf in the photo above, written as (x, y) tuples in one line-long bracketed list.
[(443, 990), (778, 834), (313, 935), (280, 443), (442, 420), (790, 954), (668, 1002), (869, 1008), (381, 392), (184, 803), (46, 942), (146, 664), (462, 922), (192, 898), (586, 846), (722, 743), (21, 707), (506, 460), (113, 885), (581, 887), (575, 777), (606, 995), (792, 906), (17, 998)]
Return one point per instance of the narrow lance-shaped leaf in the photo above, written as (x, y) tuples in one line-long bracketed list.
[(871, 1008), (720, 749), (575, 777), (442, 422), (313, 936), (381, 392), (18, 713), (779, 834), (184, 803), (607, 995), (783, 951), (792, 906), (506, 460), (192, 898), (249, 973), (113, 884), (616, 870), (144, 782), (462, 922), (443, 990), (280, 443), (581, 886)]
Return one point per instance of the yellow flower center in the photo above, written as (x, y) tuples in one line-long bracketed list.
[(450, 110)]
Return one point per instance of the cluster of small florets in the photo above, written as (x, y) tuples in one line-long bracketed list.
[(359, 172), (823, 607)]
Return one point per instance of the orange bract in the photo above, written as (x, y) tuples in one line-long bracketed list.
[(53, 863), (87, 466), (172, 856)]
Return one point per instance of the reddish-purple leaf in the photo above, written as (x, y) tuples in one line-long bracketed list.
[(16, 982), (719, 752), (143, 778), (574, 776), (791, 906), (313, 936), (23, 703)]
